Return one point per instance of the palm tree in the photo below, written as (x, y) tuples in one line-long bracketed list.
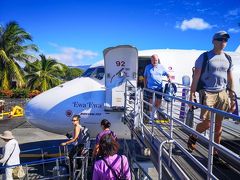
[(12, 51), (43, 74), (70, 73)]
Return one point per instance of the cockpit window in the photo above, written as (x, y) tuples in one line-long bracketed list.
[(97, 73), (88, 72)]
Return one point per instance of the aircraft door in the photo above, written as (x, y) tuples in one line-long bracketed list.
[(121, 64)]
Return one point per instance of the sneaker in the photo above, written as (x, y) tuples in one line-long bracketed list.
[(191, 144)]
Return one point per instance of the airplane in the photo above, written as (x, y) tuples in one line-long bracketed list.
[(95, 94)]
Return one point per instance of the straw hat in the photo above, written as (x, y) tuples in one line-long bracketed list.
[(7, 135)]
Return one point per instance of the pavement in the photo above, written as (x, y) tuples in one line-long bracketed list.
[(28, 136)]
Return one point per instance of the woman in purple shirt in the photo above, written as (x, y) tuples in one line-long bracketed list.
[(112, 165), (105, 125)]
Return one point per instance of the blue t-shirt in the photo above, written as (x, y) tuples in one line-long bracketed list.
[(215, 75), (154, 76)]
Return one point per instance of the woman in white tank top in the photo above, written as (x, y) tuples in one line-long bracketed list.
[(77, 147)]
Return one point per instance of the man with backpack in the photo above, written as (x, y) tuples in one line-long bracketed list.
[(212, 76)]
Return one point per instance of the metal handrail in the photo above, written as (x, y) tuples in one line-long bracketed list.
[(160, 157), (39, 149), (169, 115), (233, 116), (38, 162), (63, 157), (133, 160), (221, 112), (27, 167), (212, 144)]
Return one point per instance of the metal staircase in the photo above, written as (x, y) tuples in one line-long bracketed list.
[(167, 140)]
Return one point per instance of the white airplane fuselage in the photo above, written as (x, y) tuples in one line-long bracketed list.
[(52, 110)]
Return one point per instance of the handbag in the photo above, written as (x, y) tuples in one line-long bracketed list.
[(189, 118), (169, 89), (18, 172)]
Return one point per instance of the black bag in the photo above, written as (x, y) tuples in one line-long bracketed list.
[(121, 175), (62, 169), (169, 89), (84, 136), (190, 118), (201, 84)]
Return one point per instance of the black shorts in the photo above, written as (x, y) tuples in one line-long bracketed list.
[(149, 95)]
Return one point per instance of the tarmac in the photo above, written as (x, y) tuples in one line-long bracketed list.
[(28, 136)]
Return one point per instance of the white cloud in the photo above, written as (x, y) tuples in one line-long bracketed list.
[(233, 14), (72, 56), (203, 10), (233, 30), (194, 23)]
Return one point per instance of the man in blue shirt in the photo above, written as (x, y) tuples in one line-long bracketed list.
[(153, 79)]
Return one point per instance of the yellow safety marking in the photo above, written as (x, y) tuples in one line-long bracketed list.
[(161, 121), (5, 113)]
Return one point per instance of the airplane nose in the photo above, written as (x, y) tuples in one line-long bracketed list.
[(52, 110), (35, 110), (39, 112)]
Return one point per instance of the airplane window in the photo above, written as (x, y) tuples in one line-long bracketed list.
[(94, 73), (99, 73), (88, 72)]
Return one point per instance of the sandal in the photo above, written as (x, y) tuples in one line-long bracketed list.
[(191, 144)]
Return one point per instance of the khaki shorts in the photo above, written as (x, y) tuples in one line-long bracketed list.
[(218, 100)]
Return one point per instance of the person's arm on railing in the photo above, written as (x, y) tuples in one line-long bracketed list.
[(193, 88), (76, 134)]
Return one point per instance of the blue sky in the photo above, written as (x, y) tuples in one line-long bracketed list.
[(76, 32)]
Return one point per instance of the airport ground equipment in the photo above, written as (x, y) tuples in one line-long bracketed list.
[(16, 110), (1, 108), (168, 141)]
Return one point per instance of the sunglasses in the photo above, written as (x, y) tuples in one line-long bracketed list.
[(222, 39), (74, 120)]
